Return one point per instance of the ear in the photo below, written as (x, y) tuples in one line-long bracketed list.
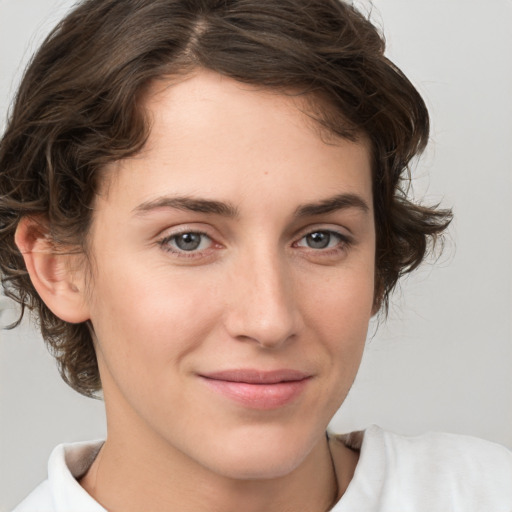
[(59, 285)]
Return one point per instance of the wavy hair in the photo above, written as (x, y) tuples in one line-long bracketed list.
[(80, 106)]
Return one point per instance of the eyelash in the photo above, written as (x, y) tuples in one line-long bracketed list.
[(165, 244), (344, 242)]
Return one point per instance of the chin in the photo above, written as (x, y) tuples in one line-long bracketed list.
[(256, 468), (260, 456)]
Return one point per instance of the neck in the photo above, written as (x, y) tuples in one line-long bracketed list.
[(131, 477)]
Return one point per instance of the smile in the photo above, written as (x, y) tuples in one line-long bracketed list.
[(258, 390)]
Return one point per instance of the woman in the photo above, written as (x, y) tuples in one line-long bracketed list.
[(202, 201)]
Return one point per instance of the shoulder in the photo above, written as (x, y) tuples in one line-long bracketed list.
[(446, 456), (40, 499), (433, 471), (61, 492)]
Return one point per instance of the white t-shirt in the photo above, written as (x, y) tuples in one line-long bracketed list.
[(428, 473)]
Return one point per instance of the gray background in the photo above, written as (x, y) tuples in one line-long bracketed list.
[(442, 360)]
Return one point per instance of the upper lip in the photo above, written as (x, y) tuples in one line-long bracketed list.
[(251, 376)]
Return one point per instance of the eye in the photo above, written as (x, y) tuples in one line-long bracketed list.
[(189, 241), (321, 240)]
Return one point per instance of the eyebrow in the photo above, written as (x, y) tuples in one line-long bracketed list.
[(226, 209), (332, 204), (187, 203)]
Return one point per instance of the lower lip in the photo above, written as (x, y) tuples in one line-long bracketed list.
[(259, 396)]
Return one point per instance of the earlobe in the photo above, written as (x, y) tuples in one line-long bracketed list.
[(50, 271)]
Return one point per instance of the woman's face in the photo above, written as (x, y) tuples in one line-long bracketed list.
[(233, 279)]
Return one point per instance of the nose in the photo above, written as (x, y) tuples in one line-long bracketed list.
[(263, 306)]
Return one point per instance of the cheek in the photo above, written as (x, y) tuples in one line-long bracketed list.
[(338, 313), (145, 323), (341, 305)]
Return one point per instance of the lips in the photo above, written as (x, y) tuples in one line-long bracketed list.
[(258, 389)]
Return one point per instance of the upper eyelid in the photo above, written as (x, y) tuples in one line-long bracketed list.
[(338, 230), (184, 231), (215, 237), (180, 229), (170, 236), (343, 239), (165, 238)]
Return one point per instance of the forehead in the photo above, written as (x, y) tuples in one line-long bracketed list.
[(201, 88), (214, 135)]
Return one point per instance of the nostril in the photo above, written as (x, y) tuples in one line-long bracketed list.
[(264, 309)]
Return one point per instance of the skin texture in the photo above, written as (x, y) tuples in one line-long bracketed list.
[(254, 295)]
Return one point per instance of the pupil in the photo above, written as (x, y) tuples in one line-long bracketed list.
[(319, 240), (188, 241)]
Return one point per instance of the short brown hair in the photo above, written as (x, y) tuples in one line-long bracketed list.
[(80, 107)]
